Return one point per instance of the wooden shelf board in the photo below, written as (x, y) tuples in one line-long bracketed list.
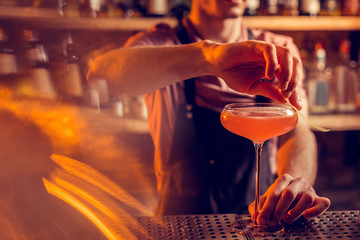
[(50, 18), (338, 122), (305, 23)]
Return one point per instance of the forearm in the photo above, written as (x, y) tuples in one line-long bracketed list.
[(139, 70), (297, 154)]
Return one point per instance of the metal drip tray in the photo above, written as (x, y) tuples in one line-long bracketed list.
[(330, 225)]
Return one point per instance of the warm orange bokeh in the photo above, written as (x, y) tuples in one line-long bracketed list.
[(109, 183), (92, 193)]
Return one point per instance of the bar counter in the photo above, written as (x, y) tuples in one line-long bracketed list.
[(329, 225)]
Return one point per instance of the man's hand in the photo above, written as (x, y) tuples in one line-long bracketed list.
[(288, 199), (257, 68)]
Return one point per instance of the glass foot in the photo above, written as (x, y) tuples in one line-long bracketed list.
[(246, 226)]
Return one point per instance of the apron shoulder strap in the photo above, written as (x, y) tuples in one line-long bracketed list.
[(189, 90)]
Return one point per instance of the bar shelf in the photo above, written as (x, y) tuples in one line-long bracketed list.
[(49, 18), (337, 122)]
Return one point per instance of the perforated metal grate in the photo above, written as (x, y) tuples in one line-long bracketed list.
[(330, 225), (190, 227)]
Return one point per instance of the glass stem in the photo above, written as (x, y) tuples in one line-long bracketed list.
[(258, 149)]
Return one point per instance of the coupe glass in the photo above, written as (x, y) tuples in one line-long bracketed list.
[(258, 122)]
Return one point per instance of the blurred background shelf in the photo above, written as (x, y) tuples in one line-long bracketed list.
[(50, 18), (305, 23), (337, 122)]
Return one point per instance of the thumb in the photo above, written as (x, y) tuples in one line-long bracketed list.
[(266, 89)]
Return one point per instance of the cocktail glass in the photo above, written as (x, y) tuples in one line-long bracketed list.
[(258, 122)]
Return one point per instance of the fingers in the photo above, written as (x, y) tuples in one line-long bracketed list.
[(251, 207), (270, 56), (280, 62), (295, 100), (266, 89), (246, 73), (321, 204), (272, 199), (284, 73), (303, 204), (289, 199), (290, 81), (286, 67)]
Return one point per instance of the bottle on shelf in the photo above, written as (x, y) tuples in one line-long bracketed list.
[(345, 80), (330, 8), (92, 8), (119, 106), (61, 7), (129, 107), (8, 64), (310, 7), (66, 73), (252, 7), (38, 65), (350, 7), (289, 7), (97, 95), (318, 79), (271, 7), (138, 108), (122, 8), (157, 8)]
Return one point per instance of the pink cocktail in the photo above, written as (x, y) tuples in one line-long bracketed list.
[(259, 122)]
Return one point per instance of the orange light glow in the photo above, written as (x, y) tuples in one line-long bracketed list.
[(55, 121), (63, 195), (109, 183), (92, 176), (92, 194)]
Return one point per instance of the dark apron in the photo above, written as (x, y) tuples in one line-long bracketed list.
[(211, 169)]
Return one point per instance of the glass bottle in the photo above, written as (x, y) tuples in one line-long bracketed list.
[(310, 7), (331, 8), (97, 95), (271, 7), (122, 8), (38, 63), (289, 7), (8, 65), (35, 53), (345, 80), (252, 7), (318, 82), (92, 8), (350, 7), (157, 8), (66, 72)]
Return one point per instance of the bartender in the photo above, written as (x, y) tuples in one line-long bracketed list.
[(187, 74)]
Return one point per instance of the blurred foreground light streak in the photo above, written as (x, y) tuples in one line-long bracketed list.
[(92, 176), (31, 130), (96, 197)]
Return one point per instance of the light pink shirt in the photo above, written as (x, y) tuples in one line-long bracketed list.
[(211, 92)]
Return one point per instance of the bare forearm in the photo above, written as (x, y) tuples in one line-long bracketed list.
[(297, 155), (242, 65), (139, 70)]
